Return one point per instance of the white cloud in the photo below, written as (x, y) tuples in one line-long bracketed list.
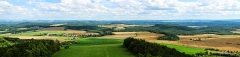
[(120, 9)]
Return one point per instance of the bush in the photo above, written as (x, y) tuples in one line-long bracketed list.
[(216, 49), (228, 43), (200, 54), (66, 47), (171, 37), (238, 44), (209, 49), (190, 39)]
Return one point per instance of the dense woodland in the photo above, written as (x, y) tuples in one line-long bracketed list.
[(182, 30), (30, 48), (141, 48)]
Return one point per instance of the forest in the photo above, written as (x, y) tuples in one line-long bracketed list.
[(182, 30), (30, 48), (141, 48)]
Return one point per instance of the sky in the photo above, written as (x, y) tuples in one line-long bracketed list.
[(119, 9)]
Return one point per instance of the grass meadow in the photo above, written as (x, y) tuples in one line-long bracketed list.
[(187, 50), (100, 47), (95, 47)]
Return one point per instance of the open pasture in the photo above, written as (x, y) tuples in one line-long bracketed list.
[(115, 50), (187, 50), (95, 47)]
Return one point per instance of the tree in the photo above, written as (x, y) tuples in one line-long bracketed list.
[(169, 37)]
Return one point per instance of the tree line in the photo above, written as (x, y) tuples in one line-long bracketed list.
[(141, 48), (31, 48), (181, 30), (171, 37)]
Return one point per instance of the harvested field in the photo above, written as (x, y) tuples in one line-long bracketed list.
[(228, 36), (40, 37), (75, 31), (56, 24), (140, 35), (207, 40), (120, 35), (216, 42)]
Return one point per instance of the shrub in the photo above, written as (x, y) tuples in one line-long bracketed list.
[(216, 49), (171, 37), (190, 39), (228, 43), (238, 44), (66, 47), (209, 49)]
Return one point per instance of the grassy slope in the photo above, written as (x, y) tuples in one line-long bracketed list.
[(93, 47), (94, 51), (187, 50)]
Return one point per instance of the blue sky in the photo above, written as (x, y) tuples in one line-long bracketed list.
[(119, 9)]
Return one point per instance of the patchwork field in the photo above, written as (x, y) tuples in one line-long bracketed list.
[(31, 33), (207, 40), (122, 25), (141, 35), (102, 47), (61, 39)]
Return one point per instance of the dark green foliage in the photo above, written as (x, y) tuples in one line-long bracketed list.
[(146, 49), (31, 48), (66, 47), (173, 26), (216, 49), (182, 30), (200, 54), (93, 29), (210, 49), (82, 27), (11, 39), (33, 24), (171, 37)]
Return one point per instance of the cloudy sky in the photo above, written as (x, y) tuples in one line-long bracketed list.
[(119, 9)]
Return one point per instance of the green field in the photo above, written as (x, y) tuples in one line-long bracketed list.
[(94, 47), (100, 47), (187, 50)]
